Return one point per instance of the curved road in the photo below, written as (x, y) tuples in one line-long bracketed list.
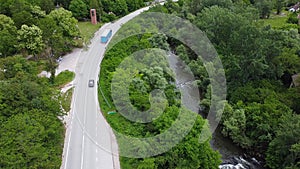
[(90, 142)]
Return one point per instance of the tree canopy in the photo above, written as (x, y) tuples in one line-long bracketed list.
[(259, 62), (31, 135)]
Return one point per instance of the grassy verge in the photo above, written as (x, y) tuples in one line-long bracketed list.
[(276, 21), (66, 100), (87, 30), (279, 21), (63, 78)]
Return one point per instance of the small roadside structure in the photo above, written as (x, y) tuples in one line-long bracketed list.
[(93, 16), (295, 8), (295, 80)]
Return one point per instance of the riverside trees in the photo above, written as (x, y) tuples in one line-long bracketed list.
[(259, 62), (188, 153)]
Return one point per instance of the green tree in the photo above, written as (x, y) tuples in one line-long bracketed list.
[(265, 7), (13, 6), (134, 4), (8, 38), (22, 18), (190, 152), (284, 151), (120, 8), (262, 110), (279, 4), (234, 124), (238, 40), (196, 6), (63, 3), (107, 5), (79, 9), (66, 21), (33, 143), (53, 37), (147, 163), (293, 18), (159, 41), (30, 39), (192, 6), (47, 5), (37, 12)]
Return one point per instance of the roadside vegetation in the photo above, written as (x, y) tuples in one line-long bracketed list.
[(193, 154), (87, 30), (63, 78), (284, 21), (31, 135), (66, 99)]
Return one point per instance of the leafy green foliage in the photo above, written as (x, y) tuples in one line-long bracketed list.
[(47, 5), (63, 78), (64, 19), (258, 62), (8, 34), (120, 8), (45, 35), (189, 153), (87, 30), (117, 8), (265, 7), (283, 151), (159, 41), (31, 135), (79, 9), (292, 18), (279, 5), (195, 6), (279, 22), (31, 140), (59, 30), (133, 5), (66, 100), (30, 39)]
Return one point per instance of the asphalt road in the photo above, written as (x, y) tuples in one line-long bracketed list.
[(90, 142)]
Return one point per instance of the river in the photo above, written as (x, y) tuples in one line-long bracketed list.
[(233, 157)]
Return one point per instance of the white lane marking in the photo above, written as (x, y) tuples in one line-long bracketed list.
[(82, 151), (83, 129)]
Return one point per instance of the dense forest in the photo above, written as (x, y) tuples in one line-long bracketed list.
[(259, 62), (189, 153), (261, 113), (31, 135)]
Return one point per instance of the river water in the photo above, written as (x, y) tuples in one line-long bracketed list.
[(233, 157)]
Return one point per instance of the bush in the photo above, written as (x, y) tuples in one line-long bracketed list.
[(66, 100), (292, 18), (64, 78)]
